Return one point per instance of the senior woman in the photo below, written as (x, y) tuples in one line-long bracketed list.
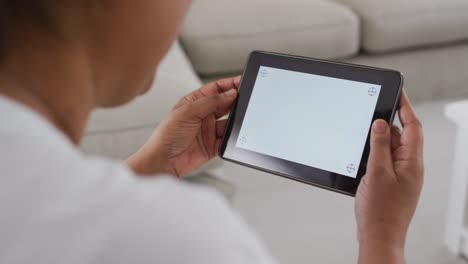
[(59, 60)]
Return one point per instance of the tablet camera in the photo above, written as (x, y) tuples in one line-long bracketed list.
[(372, 91), (351, 168)]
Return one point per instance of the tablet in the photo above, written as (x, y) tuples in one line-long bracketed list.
[(308, 120)]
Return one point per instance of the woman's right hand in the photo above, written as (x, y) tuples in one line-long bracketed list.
[(389, 192)]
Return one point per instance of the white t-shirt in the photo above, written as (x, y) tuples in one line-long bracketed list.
[(59, 206)]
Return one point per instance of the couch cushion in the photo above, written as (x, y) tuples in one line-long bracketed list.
[(390, 25), (218, 35)]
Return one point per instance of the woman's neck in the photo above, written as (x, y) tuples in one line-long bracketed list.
[(53, 80)]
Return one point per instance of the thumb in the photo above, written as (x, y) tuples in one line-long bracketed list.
[(380, 146), (215, 104)]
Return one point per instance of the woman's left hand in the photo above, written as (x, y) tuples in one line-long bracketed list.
[(191, 134)]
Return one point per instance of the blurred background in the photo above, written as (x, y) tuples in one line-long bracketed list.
[(427, 40)]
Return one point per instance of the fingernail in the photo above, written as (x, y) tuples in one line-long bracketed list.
[(380, 126), (231, 92)]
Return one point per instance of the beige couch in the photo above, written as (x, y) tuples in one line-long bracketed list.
[(425, 39)]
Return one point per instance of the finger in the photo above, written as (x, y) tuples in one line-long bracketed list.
[(221, 112), (229, 83), (412, 135), (396, 137), (220, 127), (206, 106), (380, 147), (217, 146), (208, 132), (406, 112), (210, 89)]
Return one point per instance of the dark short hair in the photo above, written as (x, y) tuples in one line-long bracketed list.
[(35, 11)]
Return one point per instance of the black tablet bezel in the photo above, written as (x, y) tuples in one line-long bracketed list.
[(390, 80)]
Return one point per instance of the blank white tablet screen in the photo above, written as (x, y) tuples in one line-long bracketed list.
[(318, 121)]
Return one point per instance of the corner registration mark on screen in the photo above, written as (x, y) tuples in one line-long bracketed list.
[(318, 121)]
